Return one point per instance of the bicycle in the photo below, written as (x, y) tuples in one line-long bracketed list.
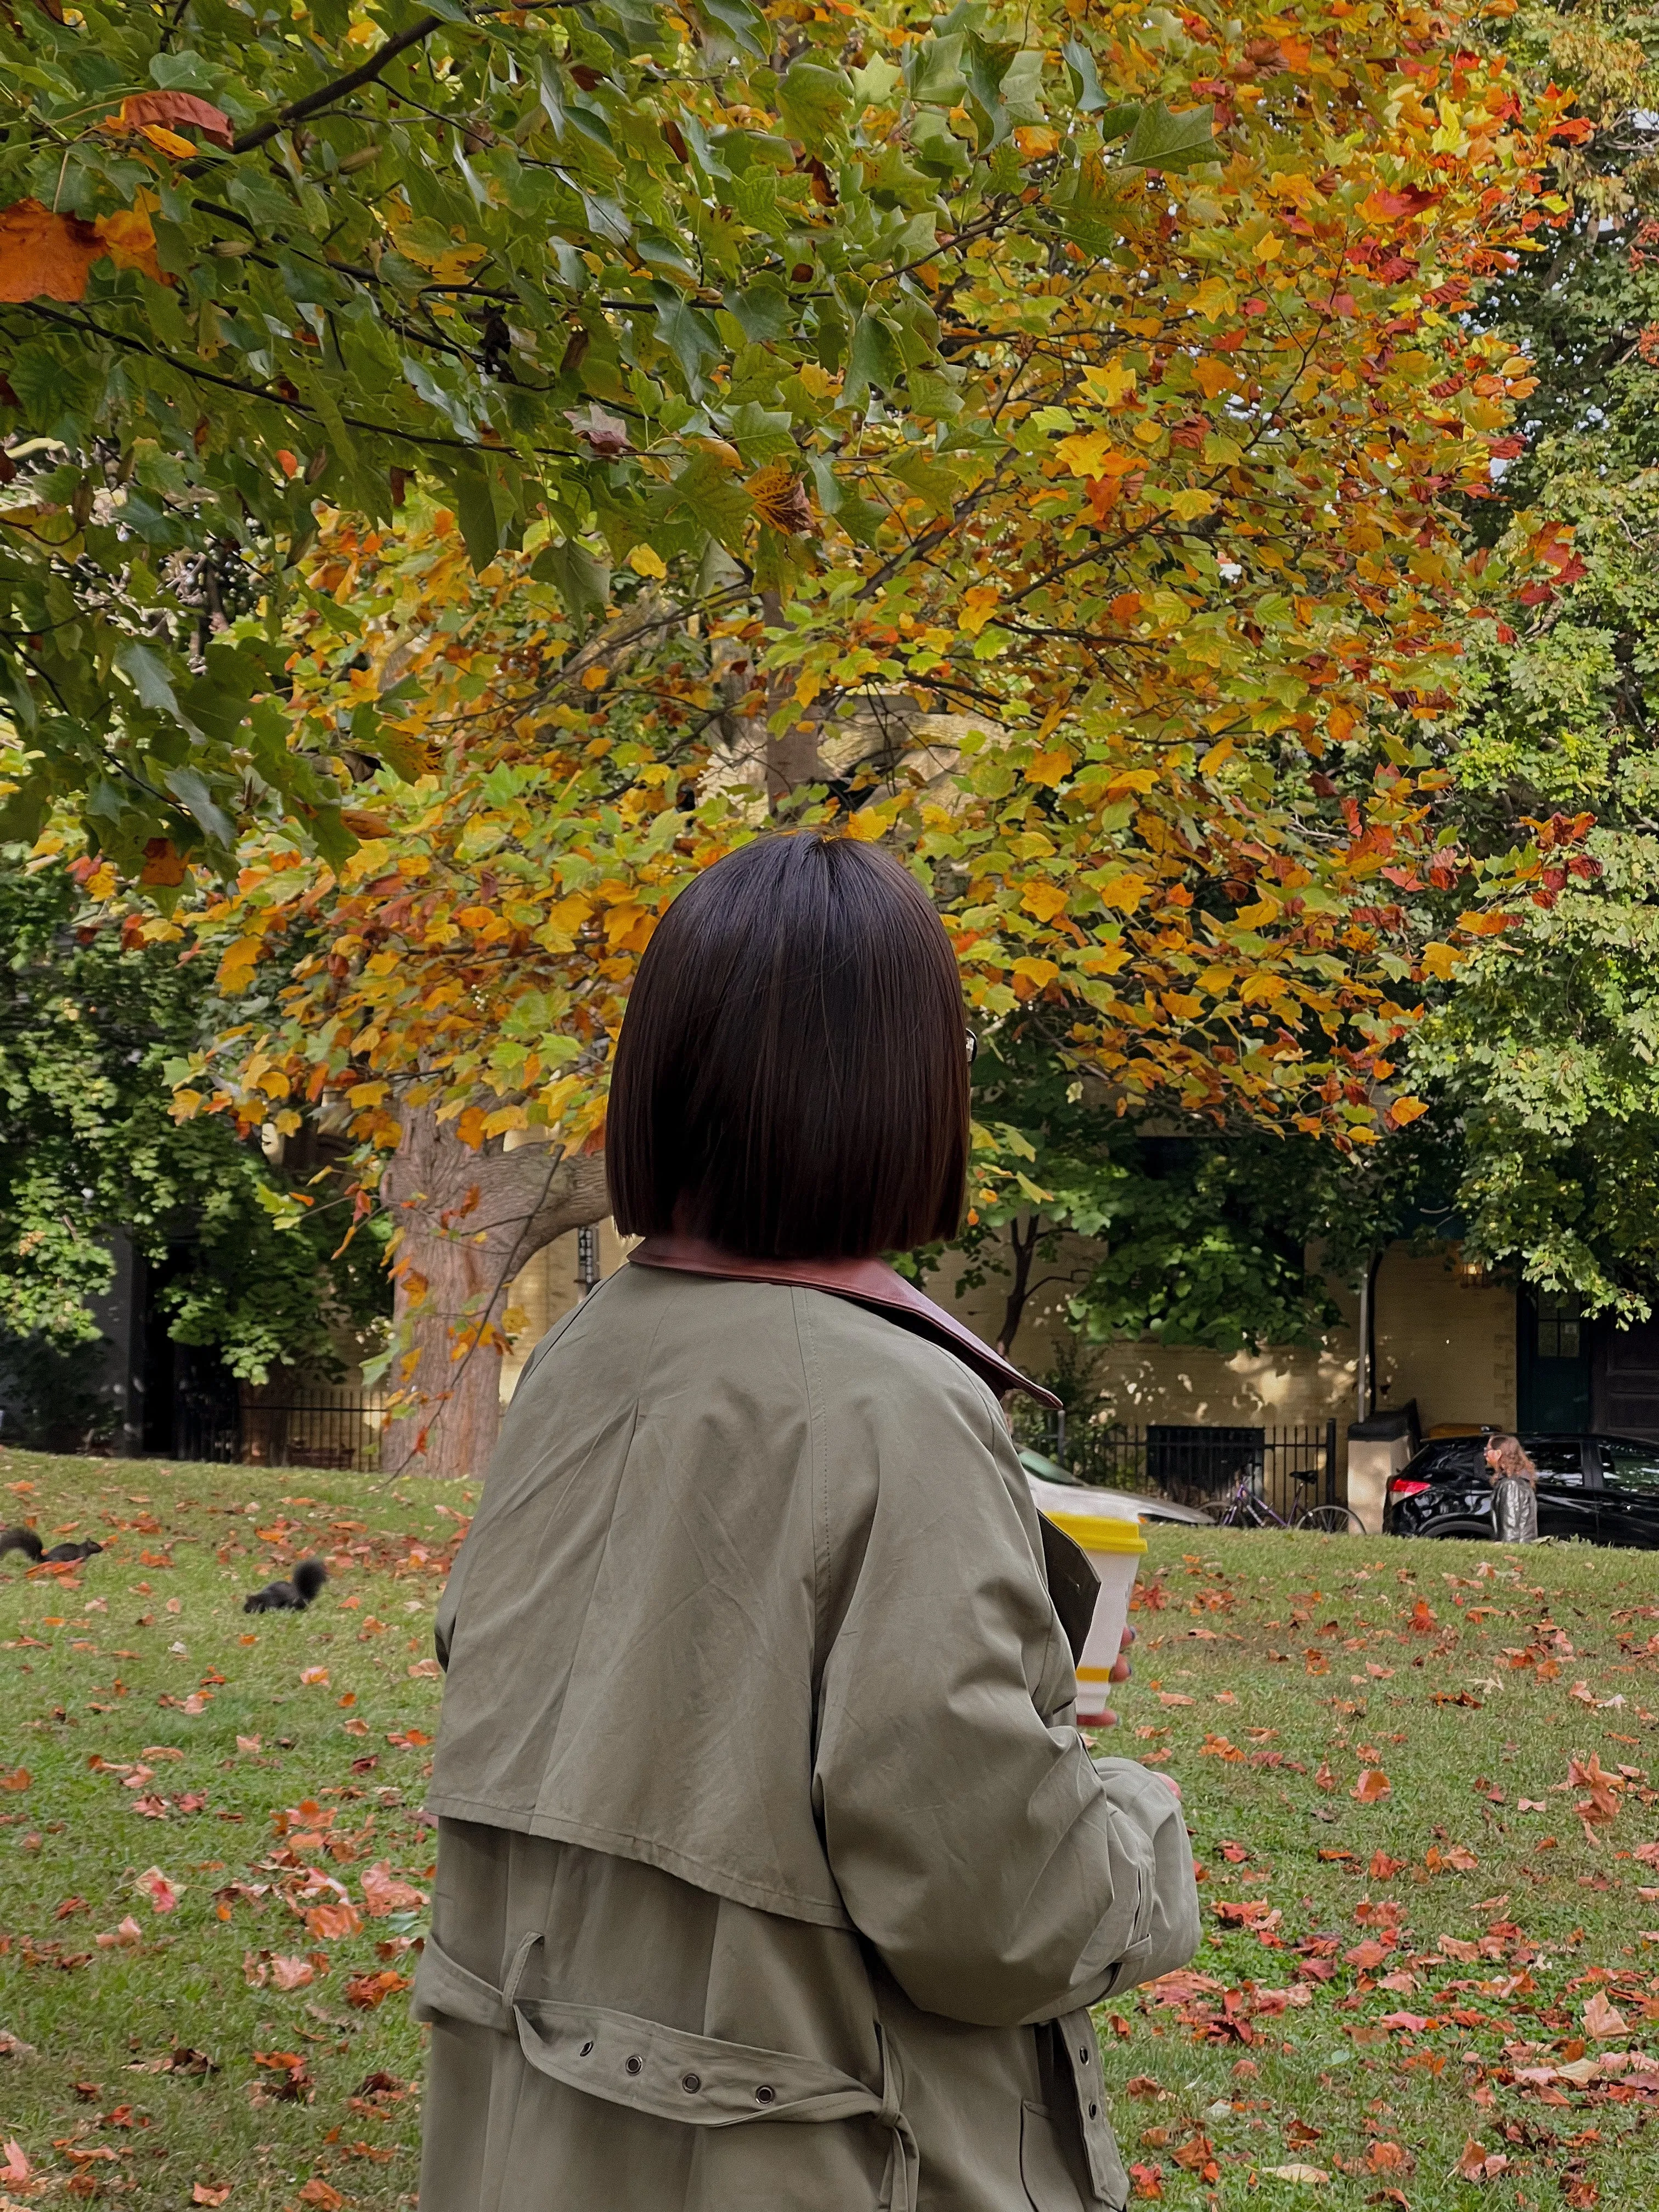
[(1244, 1507)]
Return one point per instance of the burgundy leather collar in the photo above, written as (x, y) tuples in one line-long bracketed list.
[(870, 1282)]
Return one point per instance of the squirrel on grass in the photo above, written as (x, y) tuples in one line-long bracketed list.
[(25, 1540), (290, 1597)]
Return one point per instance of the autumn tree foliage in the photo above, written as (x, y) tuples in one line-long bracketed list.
[(1029, 440), (256, 251)]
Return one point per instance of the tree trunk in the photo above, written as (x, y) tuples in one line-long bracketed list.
[(1022, 1252), (467, 1222)]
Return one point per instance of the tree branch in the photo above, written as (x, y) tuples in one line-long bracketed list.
[(297, 110)]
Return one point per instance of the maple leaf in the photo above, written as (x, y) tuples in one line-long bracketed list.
[(45, 256), (1603, 2018), (206, 2192), (163, 1894), (1383, 2157), (329, 1924), (383, 1892), (366, 1991), (779, 497), (1372, 1785), (166, 108), (606, 434)]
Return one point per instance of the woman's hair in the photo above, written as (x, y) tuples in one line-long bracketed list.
[(792, 1077), (1511, 1458)]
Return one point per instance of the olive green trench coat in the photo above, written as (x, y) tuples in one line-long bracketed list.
[(773, 1875)]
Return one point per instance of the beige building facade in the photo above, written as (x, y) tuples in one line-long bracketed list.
[(1444, 1337)]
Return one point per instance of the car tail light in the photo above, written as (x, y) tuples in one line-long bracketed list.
[(1401, 1485)]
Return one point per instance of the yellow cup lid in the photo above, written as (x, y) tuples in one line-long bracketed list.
[(1100, 1532)]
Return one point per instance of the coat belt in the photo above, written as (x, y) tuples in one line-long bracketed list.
[(699, 2079)]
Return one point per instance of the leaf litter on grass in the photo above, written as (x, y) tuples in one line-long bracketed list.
[(253, 1889), (1428, 1861)]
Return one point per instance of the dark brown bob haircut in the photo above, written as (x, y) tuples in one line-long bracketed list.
[(792, 1076)]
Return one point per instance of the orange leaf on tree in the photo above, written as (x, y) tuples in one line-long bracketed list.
[(45, 256)]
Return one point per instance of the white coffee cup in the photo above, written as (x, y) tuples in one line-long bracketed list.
[(1108, 1527)]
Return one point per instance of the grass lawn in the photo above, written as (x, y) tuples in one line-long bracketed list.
[(1429, 1988)]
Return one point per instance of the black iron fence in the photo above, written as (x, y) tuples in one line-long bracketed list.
[(313, 1428), (1193, 1464)]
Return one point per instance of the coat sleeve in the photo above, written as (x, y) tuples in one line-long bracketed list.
[(1003, 1877)]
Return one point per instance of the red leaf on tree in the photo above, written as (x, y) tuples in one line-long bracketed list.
[(172, 108)]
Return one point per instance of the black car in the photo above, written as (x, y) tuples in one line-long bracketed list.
[(1602, 1490)]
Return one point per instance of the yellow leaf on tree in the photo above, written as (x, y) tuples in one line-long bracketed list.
[(237, 964), (1085, 453), (1407, 1109), (1125, 891), (170, 143), (1441, 959), (1045, 901), (645, 560), (1040, 972), (1049, 769), (1035, 140), (1112, 384), (866, 825), (1190, 504), (595, 678), (1265, 910), (131, 241), (978, 605), (1213, 378), (1103, 960)]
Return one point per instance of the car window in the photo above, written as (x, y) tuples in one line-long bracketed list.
[(1559, 1460), (1630, 1464), (1447, 1459)]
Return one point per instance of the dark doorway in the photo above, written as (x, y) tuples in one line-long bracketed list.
[(1625, 1364), (191, 1404), (1553, 1369)]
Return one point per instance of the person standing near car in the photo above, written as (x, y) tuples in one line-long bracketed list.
[(773, 1874), (1514, 1490)]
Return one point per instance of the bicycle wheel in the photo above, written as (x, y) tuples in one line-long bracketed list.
[(1331, 1520)]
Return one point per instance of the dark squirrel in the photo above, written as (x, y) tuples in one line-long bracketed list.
[(290, 1597), (25, 1540)]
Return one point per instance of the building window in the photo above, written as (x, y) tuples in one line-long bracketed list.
[(1560, 1318)]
